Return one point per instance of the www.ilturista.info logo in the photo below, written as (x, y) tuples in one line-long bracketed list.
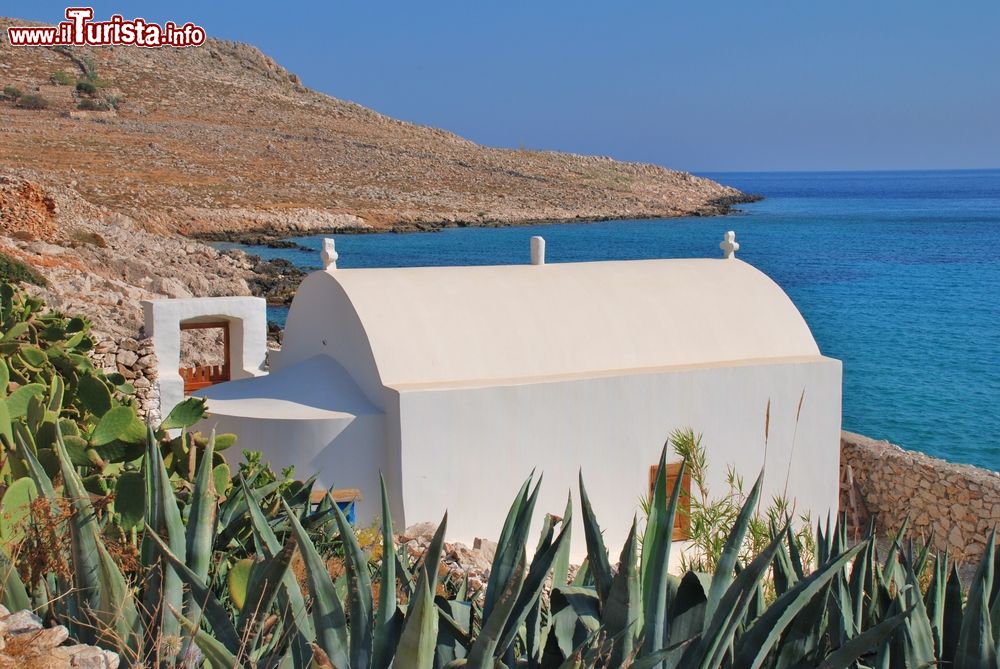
[(80, 30)]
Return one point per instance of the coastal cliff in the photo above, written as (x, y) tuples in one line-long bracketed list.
[(134, 154)]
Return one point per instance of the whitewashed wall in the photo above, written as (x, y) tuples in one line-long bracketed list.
[(468, 450), (247, 317)]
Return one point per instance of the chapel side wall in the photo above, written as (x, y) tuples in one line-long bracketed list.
[(468, 450), (343, 453), (959, 505), (392, 463)]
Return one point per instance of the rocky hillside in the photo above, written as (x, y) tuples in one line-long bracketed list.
[(219, 141)]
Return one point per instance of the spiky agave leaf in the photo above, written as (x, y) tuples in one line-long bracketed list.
[(723, 576), (511, 544), (976, 645), (83, 538), (482, 655), (622, 613), (655, 579), (418, 639), (532, 585), (916, 631), (201, 525), (359, 593), (290, 600), (120, 625), (14, 595), (721, 627), (215, 613), (163, 586), (756, 643), (432, 556), (387, 628), (847, 655), (217, 655), (329, 618), (560, 567), (597, 554)]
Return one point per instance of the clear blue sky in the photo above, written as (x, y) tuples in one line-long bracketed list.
[(696, 85)]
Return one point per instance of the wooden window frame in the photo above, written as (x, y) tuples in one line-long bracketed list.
[(203, 376), (682, 522)]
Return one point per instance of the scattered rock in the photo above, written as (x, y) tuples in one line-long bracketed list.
[(25, 643)]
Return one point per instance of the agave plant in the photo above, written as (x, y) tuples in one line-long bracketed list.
[(216, 588)]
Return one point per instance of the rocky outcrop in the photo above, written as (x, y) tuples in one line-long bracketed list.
[(957, 505), (25, 642), (102, 264), (26, 210)]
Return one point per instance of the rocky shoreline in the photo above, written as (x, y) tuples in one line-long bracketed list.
[(282, 238)]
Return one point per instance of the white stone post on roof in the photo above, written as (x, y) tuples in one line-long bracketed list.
[(537, 250), (729, 245), (329, 255)]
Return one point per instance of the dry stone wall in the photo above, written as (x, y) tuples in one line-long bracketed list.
[(136, 361), (959, 505)]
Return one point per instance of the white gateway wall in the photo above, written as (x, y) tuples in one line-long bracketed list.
[(468, 449)]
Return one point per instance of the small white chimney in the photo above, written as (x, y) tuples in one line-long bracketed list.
[(537, 250)]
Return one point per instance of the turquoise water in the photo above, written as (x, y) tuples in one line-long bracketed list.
[(897, 274)]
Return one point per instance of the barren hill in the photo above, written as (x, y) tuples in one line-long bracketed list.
[(219, 140)]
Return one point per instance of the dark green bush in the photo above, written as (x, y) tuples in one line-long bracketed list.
[(32, 102), (88, 104), (62, 78), (86, 87), (15, 271), (12, 92)]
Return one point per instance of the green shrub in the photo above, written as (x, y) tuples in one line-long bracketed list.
[(12, 92), (62, 78), (86, 87), (89, 67), (32, 102), (711, 516), (88, 104), (13, 270)]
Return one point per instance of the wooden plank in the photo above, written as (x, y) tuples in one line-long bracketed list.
[(204, 325), (682, 522), (340, 495)]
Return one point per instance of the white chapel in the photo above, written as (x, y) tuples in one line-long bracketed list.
[(457, 382)]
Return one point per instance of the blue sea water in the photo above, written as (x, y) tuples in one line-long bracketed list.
[(897, 274)]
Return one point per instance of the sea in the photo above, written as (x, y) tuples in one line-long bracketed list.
[(896, 273)]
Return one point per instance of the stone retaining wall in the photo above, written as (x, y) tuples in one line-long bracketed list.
[(958, 504), (135, 360)]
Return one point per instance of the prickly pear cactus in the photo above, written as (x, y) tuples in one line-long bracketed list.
[(49, 386)]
